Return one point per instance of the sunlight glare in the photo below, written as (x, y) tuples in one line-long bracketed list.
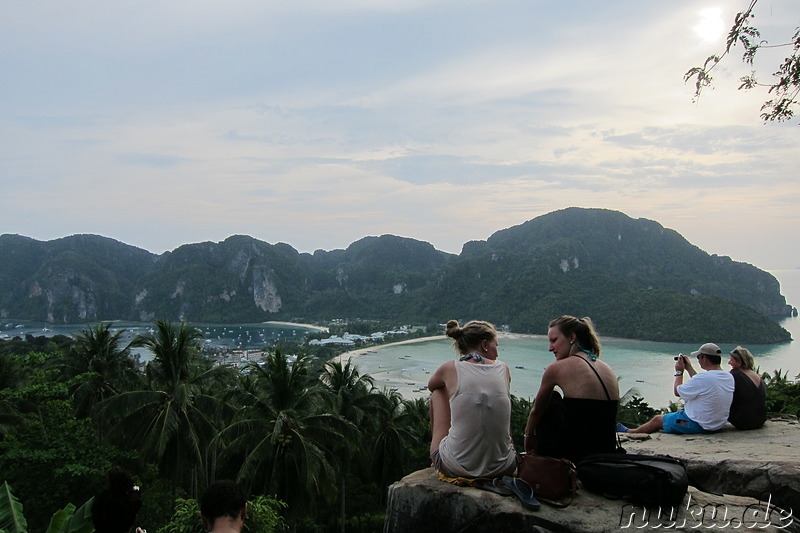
[(710, 26)]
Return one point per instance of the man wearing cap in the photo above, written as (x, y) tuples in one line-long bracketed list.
[(707, 397)]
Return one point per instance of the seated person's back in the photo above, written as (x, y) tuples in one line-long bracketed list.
[(471, 407), (583, 421), (749, 405)]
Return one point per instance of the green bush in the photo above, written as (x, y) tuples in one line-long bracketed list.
[(634, 411), (783, 394), (263, 516), (66, 520)]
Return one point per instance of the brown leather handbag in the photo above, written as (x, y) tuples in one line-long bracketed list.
[(554, 481)]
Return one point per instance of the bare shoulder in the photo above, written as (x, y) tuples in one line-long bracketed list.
[(605, 366), (442, 376), (446, 366), (754, 377), (557, 368), (446, 369)]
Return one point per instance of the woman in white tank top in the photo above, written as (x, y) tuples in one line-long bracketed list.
[(471, 407)]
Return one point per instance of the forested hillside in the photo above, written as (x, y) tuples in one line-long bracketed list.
[(634, 277)]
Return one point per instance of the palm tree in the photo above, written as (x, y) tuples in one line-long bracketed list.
[(286, 431), (11, 376), (402, 441), (357, 401), (107, 368), (173, 419)]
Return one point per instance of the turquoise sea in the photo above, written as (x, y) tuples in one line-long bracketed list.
[(641, 365)]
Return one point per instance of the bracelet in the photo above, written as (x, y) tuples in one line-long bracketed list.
[(678, 373)]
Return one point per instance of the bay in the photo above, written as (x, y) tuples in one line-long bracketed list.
[(642, 367)]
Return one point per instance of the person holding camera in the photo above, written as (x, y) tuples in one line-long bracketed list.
[(707, 397)]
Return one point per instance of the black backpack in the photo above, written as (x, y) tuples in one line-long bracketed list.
[(648, 480)]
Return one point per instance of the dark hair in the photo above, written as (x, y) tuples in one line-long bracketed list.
[(583, 329), (222, 498), (116, 507), (715, 359), (468, 338)]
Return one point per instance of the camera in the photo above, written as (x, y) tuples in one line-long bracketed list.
[(677, 356)]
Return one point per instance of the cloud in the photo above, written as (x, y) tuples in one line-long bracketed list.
[(319, 122)]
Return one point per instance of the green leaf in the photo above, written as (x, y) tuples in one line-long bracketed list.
[(60, 518), (69, 520), (11, 518)]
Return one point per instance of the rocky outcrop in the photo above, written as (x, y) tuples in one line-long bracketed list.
[(736, 475), (747, 463)]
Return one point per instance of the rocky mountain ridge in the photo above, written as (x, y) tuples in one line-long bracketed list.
[(634, 277)]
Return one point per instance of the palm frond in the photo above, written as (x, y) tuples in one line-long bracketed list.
[(11, 518)]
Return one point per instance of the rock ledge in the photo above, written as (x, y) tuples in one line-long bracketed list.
[(735, 472)]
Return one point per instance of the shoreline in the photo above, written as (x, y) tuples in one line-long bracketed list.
[(355, 354), (310, 326), (405, 389), (352, 355)]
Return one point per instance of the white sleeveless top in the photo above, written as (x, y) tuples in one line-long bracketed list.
[(479, 441)]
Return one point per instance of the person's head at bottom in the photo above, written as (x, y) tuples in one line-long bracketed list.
[(223, 507)]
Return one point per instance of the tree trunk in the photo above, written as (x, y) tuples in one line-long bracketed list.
[(343, 515)]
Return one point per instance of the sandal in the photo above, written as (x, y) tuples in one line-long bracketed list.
[(523, 491), (495, 485)]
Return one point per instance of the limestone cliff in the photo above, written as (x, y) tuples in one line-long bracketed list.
[(635, 278)]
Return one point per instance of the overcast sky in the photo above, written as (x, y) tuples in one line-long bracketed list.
[(319, 122)]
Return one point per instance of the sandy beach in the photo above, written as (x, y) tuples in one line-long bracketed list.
[(361, 351), (411, 382), (407, 391), (290, 324), (355, 354)]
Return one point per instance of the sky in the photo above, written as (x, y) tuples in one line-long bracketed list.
[(319, 122)]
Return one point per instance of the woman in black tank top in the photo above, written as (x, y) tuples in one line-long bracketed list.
[(583, 422)]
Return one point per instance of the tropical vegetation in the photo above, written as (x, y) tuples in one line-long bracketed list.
[(318, 441), (314, 443), (783, 393)]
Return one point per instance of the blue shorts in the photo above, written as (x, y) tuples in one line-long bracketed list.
[(678, 422)]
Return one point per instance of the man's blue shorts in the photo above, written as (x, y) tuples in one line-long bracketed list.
[(678, 422)]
